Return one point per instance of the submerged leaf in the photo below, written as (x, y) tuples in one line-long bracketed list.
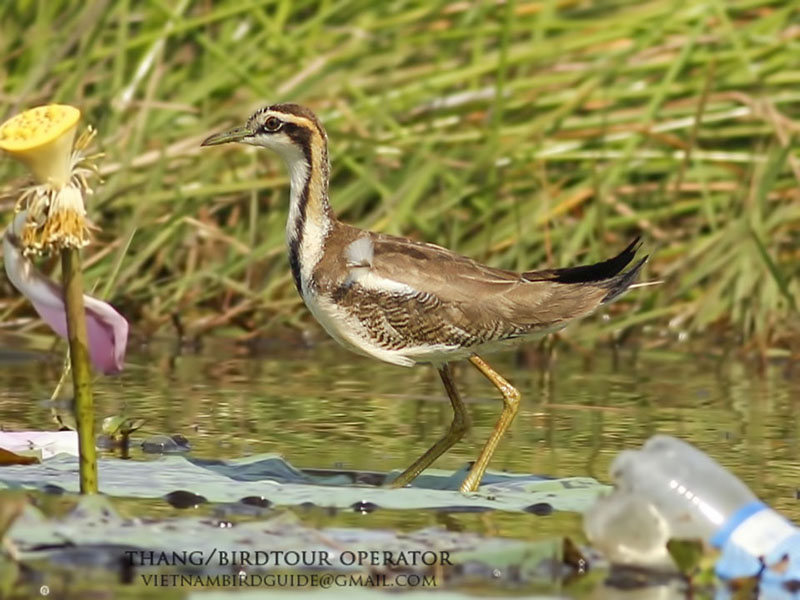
[(687, 554), (280, 543)]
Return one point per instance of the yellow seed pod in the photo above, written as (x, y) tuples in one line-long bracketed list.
[(41, 138)]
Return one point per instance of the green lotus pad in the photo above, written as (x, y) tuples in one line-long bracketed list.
[(94, 535), (271, 477)]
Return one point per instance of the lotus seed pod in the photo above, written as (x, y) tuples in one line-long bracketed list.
[(41, 138)]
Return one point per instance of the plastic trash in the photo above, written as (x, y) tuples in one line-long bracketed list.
[(697, 499), (629, 530)]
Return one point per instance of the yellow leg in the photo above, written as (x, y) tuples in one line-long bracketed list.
[(510, 408), (457, 430)]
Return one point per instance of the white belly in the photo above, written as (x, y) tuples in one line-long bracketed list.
[(348, 330)]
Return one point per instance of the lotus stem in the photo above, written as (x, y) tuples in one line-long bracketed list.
[(81, 371)]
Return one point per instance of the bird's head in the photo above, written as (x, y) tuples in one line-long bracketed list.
[(289, 129)]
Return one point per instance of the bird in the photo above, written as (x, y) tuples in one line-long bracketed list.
[(408, 302)]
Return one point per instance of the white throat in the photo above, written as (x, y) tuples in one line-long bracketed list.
[(307, 220)]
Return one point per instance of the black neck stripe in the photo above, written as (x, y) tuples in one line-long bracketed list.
[(302, 137), (297, 240)]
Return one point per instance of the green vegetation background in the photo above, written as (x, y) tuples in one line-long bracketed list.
[(524, 134)]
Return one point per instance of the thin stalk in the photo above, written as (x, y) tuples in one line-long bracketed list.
[(81, 372)]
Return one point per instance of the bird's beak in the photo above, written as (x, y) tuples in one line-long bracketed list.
[(237, 134)]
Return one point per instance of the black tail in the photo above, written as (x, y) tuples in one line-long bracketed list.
[(607, 274), (617, 285)]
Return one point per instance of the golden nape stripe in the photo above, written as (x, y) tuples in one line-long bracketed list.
[(406, 302)]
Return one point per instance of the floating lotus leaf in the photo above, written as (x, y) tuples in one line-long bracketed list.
[(271, 477), (93, 534)]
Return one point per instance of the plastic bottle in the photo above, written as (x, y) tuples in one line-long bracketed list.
[(629, 530), (699, 499)]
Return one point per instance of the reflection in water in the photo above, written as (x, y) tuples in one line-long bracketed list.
[(327, 409)]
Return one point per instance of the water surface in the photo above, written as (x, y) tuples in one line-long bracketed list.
[(324, 408)]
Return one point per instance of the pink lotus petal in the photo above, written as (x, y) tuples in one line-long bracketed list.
[(106, 328)]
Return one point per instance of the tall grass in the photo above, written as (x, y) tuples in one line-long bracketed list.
[(520, 133)]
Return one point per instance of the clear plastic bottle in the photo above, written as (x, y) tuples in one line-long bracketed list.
[(699, 499), (693, 492), (629, 530)]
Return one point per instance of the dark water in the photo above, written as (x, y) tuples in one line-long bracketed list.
[(324, 408)]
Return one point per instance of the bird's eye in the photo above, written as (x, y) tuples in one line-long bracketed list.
[(273, 124)]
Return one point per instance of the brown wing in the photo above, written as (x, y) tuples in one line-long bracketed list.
[(457, 300), (435, 270), (530, 297)]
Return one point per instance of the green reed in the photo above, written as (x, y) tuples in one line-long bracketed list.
[(523, 134)]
